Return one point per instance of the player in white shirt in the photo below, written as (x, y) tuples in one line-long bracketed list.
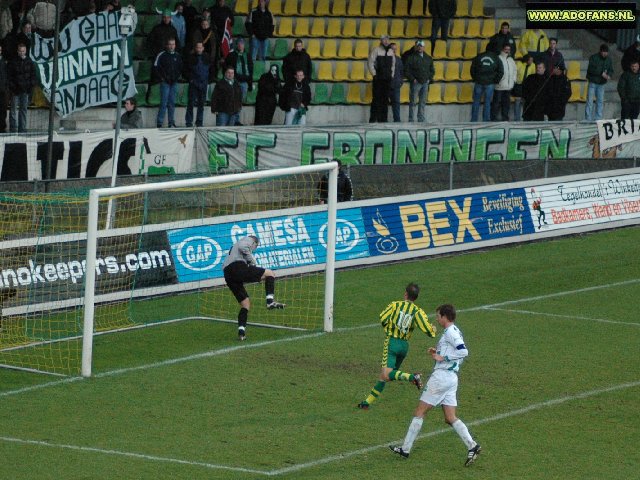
[(442, 386)]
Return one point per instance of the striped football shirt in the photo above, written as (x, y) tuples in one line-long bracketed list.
[(400, 318)]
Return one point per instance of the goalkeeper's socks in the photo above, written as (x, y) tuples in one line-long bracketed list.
[(270, 286), (242, 318), (399, 375), (269, 299), (375, 392)]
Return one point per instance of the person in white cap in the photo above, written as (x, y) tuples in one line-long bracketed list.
[(419, 70), (382, 62)]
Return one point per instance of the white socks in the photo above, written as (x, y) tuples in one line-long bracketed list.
[(412, 433), (462, 430)]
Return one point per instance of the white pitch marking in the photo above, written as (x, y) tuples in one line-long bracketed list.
[(570, 317)]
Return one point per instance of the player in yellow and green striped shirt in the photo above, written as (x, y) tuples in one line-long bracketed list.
[(399, 320)]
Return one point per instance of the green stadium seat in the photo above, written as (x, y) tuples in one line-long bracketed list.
[(182, 95), (259, 68), (238, 29), (141, 95), (320, 94), (153, 95), (281, 48), (143, 73), (338, 95), (251, 96)]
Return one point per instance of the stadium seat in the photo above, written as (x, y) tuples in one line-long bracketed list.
[(313, 48), (354, 96), (435, 93), (458, 28), (243, 7), (318, 27), (488, 28), (465, 75), (474, 27), (365, 30), (450, 93), (341, 73), (329, 49), (290, 7), (281, 48), (440, 52), (463, 9), (439, 71), (285, 27), (210, 89), (470, 50), (140, 48), (402, 8), (149, 22), (182, 95), (320, 94), (259, 68), (251, 97), (338, 95), (425, 32), (466, 93), (143, 74), (354, 8), (322, 9), (339, 8), (368, 93), (325, 71), (275, 6), (345, 50), (386, 9), (412, 28), (334, 28), (301, 29), (455, 50), (238, 29), (573, 70), (370, 8), (452, 72), (397, 28), (576, 93), (307, 8), (361, 50), (477, 9), (381, 28), (141, 95), (357, 72), (417, 9), (404, 93), (153, 95)]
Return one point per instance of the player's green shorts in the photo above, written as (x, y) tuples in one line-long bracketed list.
[(394, 352)]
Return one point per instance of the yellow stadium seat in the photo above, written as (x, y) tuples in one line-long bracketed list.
[(426, 28), (361, 49), (302, 27), (354, 96), (322, 9), (386, 9), (402, 8), (573, 70), (368, 93), (435, 93), (474, 27), (349, 28), (313, 48), (450, 93), (463, 9), (417, 9), (334, 27), (483, 45), (341, 73), (275, 7), (452, 72), (455, 49), (412, 28), (357, 72), (365, 30), (575, 92), (477, 9), (404, 93), (242, 6), (325, 71), (466, 93), (367, 72), (345, 50), (458, 28), (370, 8), (355, 8), (381, 28), (488, 28), (290, 7), (440, 51), (318, 27), (285, 27), (470, 49), (465, 75), (339, 8), (307, 8), (439, 69), (329, 48), (397, 28)]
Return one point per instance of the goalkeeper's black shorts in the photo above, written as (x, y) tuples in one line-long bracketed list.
[(239, 273)]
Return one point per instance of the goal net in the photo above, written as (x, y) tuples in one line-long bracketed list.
[(133, 256)]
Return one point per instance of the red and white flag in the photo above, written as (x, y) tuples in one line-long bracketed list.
[(227, 39)]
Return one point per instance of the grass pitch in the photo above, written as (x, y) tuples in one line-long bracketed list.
[(551, 388)]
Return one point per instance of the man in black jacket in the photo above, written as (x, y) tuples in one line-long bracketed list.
[(22, 79), (158, 36), (167, 69), (197, 73), (219, 15), (4, 82), (442, 12), (226, 101), (295, 99), (260, 26), (242, 65), (534, 93), (345, 187), (296, 59)]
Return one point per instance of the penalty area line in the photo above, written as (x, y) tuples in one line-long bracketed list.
[(568, 317)]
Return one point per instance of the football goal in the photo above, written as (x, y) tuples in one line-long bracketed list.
[(143, 255)]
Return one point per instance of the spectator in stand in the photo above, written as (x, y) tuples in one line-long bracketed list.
[(132, 117), (167, 69), (502, 38), (161, 33), (553, 58), (116, 5), (535, 43), (4, 83), (396, 85), (296, 59), (295, 99), (179, 23), (526, 67), (629, 91), (205, 35), (197, 74), (22, 79), (382, 63), (191, 22), (599, 71), (631, 54), (219, 15), (242, 66), (226, 101), (260, 26), (442, 12), (419, 71), (559, 89), (535, 93), (269, 87), (486, 71), (12, 40), (501, 103), (345, 187)]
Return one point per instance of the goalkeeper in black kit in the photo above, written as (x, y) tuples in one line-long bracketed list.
[(239, 268)]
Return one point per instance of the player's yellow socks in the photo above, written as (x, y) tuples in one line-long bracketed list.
[(399, 375), (375, 392)]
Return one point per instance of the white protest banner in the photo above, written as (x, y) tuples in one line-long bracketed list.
[(88, 63), (616, 132)]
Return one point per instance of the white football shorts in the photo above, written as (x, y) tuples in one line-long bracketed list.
[(441, 389)]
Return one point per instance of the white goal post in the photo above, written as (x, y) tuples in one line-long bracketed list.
[(97, 229)]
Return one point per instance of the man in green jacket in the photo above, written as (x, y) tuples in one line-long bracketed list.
[(629, 91), (599, 71), (419, 71), (486, 71)]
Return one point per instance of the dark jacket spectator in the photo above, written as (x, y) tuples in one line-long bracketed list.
[(502, 38), (260, 23), (345, 187), (419, 67), (168, 67), (190, 14), (553, 58), (242, 63), (535, 94), (4, 87), (632, 53), (443, 8), (486, 68), (294, 95), (205, 34), (296, 59), (197, 70), (132, 117), (269, 87), (219, 14), (227, 97), (559, 92), (21, 73), (12, 40), (629, 91), (157, 38)]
